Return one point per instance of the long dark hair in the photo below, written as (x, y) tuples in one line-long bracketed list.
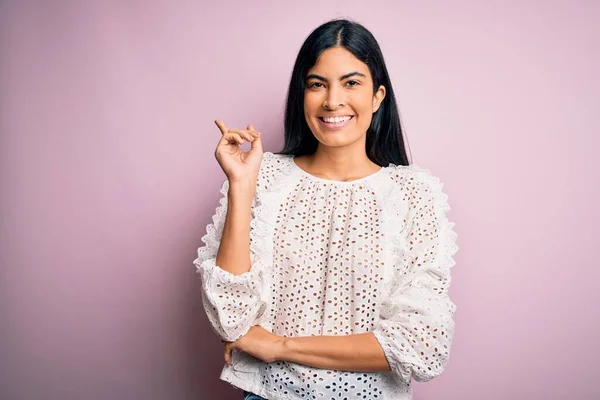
[(384, 142)]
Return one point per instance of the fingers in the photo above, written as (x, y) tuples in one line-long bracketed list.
[(227, 354), (254, 131), (246, 134), (233, 138), (238, 135), (222, 127)]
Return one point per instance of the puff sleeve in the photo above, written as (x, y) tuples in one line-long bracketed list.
[(416, 323), (232, 303)]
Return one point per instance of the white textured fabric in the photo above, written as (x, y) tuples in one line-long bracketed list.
[(338, 258)]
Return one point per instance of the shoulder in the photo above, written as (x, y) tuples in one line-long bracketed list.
[(425, 205), (413, 176), (418, 187), (273, 168), (272, 161)]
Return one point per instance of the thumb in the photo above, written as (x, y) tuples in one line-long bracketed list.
[(256, 144)]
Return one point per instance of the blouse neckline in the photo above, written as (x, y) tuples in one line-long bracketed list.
[(333, 181)]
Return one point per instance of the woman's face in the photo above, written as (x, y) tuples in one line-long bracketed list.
[(340, 85)]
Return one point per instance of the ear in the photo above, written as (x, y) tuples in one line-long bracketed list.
[(378, 98)]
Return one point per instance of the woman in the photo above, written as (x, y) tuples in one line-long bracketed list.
[(327, 266)]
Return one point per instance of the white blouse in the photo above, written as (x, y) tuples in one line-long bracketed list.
[(337, 258)]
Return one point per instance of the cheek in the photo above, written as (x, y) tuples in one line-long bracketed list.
[(311, 101), (363, 123), (365, 112)]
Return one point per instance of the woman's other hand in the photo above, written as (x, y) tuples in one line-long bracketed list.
[(259, 343), (237, 164)]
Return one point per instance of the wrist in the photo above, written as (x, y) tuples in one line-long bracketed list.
[(285, 349), (242, 183), (242, 188)]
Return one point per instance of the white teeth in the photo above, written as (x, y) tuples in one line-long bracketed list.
[(336, 120)]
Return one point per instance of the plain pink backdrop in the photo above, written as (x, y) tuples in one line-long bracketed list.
[(108, 180)]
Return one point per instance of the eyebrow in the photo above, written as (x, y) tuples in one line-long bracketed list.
[(322, 78)]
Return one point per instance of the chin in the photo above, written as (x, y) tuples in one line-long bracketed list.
[(335, 139)]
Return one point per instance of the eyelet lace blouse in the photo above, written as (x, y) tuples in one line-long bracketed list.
[(337, 258)]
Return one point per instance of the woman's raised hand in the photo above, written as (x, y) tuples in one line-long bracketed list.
[(237, 164)]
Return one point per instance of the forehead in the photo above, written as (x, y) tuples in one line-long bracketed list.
[(337, 61)]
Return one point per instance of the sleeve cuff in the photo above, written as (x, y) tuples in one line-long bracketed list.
[(210, 271), (389, 345)]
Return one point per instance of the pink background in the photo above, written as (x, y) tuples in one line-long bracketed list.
[(108, 180)]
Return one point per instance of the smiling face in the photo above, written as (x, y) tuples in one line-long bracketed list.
[(339, 100)]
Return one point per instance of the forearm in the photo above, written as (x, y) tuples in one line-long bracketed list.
[(358, 352), (234, 249)]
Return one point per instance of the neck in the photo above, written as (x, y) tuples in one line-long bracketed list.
[(341, 163)]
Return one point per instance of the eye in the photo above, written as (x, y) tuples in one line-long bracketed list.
[(352, 83), (314, 85)]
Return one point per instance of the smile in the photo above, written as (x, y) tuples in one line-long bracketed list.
[(335, 123)]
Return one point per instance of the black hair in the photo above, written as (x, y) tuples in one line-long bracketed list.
[(384, 141)]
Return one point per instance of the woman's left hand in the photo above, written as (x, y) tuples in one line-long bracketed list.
[(259, 343)]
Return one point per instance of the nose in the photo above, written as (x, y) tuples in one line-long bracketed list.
[(334, 99)]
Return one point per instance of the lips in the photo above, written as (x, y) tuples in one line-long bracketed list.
[(349, 117), (334, 125)]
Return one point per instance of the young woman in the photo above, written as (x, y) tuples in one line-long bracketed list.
[(327, 266)]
